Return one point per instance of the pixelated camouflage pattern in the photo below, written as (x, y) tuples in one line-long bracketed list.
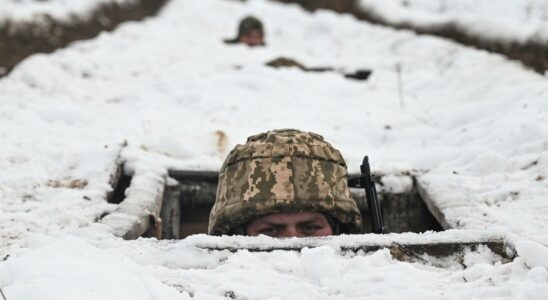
[(283, 171)]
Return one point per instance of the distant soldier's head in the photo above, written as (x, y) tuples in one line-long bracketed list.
[(284, 183), (250, 32)]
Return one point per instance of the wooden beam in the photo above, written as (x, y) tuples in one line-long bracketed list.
[(186, 175), (401, 251), (432, 207), (140, 209)]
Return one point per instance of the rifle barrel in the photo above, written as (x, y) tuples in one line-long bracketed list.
[(371, 195)]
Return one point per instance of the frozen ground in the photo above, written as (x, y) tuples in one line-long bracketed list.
[(499, 20), (474, 126), (34, 10)]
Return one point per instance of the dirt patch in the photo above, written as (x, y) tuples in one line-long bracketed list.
[(222, 142), (18, 40), (68, 183), (531, 53)]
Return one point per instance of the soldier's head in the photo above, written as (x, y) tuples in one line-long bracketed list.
[(284, 183), (250, 32)]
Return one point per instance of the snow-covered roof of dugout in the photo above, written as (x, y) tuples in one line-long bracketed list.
[(474, 125), (30, 10)]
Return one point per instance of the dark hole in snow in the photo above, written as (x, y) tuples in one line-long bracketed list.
[(186, 206), (119, 186), (405, 212)]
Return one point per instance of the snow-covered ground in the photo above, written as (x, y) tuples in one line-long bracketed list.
[(528, 11), (61, 10), (507, 20), (70, 267), (473, 125)]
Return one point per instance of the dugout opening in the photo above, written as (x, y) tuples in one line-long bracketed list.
[(187, 203)]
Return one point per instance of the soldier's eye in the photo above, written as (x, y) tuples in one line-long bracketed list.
[(271, 231), (311, 228)]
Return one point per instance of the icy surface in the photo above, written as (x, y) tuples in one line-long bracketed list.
[(472, 125)]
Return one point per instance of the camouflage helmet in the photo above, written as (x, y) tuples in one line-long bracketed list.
[(282, 171), (250, 23)]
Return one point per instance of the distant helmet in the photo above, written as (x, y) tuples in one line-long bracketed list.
[(283, 171), (250, 23)]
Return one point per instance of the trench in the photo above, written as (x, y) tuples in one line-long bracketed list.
[(186, 206), (531, 53), (45, 34), (179, 207)]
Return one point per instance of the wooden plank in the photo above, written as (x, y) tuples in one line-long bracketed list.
[(171, 213), (432, 207), (213, 176), (186, 175), (402, 251), (140, 210)]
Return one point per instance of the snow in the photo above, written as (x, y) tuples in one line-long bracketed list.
[(522, 11), (534, 253), (472, 126), (506, 20), (61, 10), (145, 269), (52, 273)]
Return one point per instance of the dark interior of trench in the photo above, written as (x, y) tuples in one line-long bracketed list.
[(186, 206)]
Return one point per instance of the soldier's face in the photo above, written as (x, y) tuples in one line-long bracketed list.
[(252, 38), (305, 224)]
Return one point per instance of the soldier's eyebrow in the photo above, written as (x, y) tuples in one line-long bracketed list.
[(274, 224), (309, 222)]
